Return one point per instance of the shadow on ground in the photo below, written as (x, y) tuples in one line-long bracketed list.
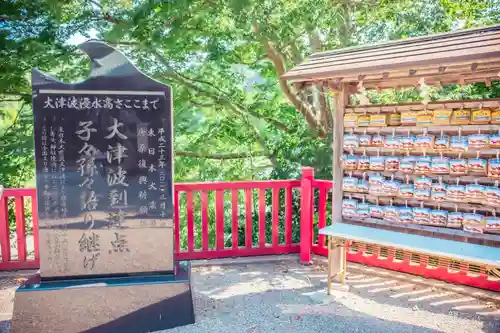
[(290, 298)]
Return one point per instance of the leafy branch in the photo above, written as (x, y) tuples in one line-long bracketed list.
[(217, 95), (15, 119), (293, 96), (15, 93), (222, 156), (223, 99)]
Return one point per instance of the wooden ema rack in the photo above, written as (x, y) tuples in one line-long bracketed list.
[(460, 57), (465, 206)]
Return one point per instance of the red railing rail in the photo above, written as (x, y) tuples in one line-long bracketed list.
[(248, 218), (321, 190), (306, 214), (241, 220), (211, 220), (14, 244), (392, 258)]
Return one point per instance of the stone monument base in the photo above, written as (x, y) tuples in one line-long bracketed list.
[(129, 304)]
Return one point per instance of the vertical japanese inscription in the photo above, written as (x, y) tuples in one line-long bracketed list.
[(63, 202), (46, 194), (54, 188), (155, 185), (104, 162), (118, 184), (162, 171), (89, 240)]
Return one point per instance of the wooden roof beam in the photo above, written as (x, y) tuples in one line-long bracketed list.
[(474, 52), (426, 41), (468, 77), (335, 84), (457, 69), (398, 84), (425, 70), (403, 51), (489, 103)]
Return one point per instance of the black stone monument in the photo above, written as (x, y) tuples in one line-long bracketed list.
[(104, 163)]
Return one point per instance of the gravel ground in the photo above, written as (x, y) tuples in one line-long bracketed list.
[(287, 297), (292, 298)]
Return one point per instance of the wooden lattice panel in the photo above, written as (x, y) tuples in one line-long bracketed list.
[(384, 253), (369, 250), (455, 271), (433, 262)]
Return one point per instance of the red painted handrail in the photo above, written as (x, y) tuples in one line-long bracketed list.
[(240, 192), (306, 200), (24, 259), (379, 256), (234, 219), (321, 188)]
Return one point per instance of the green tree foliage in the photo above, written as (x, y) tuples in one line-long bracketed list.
[(33, 34), (234, 117)]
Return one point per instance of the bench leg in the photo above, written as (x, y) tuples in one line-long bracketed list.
[(330, 277), (344, 263), (337, 265)]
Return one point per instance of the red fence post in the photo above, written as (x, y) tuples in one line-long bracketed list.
[(4, 229), (306, 193), (177, 225)]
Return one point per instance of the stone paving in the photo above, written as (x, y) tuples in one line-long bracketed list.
[(287, 297)]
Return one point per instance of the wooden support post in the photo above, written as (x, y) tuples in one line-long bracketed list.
[(343, 248), (334, 245), (330, 277), (341, 100)]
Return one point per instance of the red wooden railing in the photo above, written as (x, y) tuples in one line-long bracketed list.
[(192, 216), (399, 260), (323, 187), (234, 219), (237, 190), (13, 202)]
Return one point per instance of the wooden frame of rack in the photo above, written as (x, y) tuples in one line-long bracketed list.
[(460, 57)]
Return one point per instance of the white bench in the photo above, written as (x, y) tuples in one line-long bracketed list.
[(339, 233)]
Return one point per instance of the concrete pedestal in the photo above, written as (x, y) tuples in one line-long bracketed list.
[(129, 304)]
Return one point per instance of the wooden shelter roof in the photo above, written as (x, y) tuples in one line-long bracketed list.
[(457, 57)]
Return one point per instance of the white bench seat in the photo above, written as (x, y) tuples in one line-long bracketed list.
[(472, 253)]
